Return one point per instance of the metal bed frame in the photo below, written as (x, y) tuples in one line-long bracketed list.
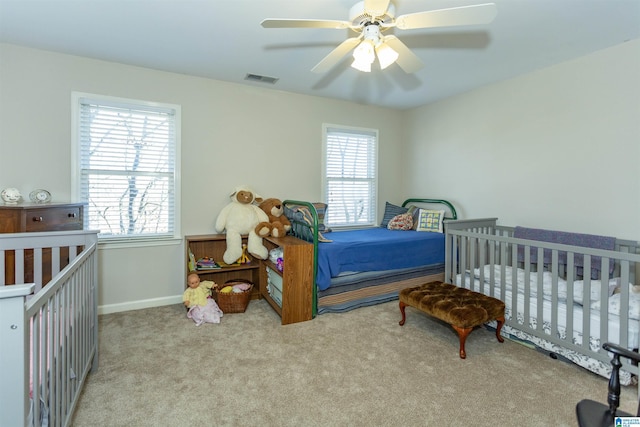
[(309, 232)]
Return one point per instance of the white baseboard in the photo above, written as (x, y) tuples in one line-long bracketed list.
[(138, 305)]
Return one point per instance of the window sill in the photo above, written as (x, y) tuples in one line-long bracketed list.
[(138, 242)]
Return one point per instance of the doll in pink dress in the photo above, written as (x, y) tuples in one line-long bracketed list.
[(197, 298)]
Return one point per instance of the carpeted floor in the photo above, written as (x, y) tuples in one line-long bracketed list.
[(353, 369)]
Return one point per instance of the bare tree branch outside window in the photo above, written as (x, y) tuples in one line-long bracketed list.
[(127, 168)]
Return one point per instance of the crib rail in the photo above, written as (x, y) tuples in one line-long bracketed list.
[(49, 339), (488, 257)]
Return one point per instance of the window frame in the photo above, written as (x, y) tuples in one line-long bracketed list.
[(77, 98), (327, 128)]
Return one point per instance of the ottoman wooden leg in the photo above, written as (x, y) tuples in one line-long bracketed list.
[(463, 333), (500, 321), (402, 306)]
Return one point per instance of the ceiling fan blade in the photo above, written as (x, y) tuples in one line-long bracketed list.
[(305, 23), (376, 8), (465, 15), (407, 60), (335, 55)]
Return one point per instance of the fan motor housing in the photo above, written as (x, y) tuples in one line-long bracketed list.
[(359, 17)]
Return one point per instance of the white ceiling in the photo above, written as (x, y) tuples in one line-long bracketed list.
[(224, 40)]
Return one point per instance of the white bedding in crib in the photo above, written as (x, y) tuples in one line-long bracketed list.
[(548, 285), (601, 368), (549, 288)]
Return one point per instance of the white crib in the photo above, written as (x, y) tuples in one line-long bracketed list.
[(48, 334)]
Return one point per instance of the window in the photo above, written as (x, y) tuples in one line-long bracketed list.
[(350, 181), (125, 164)]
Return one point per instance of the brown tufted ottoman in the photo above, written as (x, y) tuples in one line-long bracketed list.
[(461, 308)]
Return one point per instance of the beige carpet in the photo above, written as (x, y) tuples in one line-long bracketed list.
[(352, 369)]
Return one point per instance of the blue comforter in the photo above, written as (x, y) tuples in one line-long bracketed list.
[(376, 249)]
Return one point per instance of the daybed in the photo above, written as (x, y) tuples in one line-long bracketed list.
[(356, 268), (48, 333), (551, 283)]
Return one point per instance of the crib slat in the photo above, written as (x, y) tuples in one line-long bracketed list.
[(554, 294), (19, 266), (570, 303), (586, 305), (2, 267), (37, 268), (604, 298)]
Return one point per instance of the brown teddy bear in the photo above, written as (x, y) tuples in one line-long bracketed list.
[(278, 224)]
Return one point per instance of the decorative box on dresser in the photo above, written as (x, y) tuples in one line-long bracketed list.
[(289, 291), (34, 217)]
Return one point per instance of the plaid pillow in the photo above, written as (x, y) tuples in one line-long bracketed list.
[(429, 220)]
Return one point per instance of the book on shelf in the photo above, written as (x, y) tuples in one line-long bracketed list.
[(207, 263), (192, 261)]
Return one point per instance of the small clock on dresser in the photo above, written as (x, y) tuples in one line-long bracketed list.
[(40, 196)]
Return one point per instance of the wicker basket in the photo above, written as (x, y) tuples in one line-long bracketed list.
[(233, 302)]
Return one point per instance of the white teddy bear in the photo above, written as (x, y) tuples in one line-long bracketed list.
[(241, 217)]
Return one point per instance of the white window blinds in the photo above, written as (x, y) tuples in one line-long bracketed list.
[(127, 167), (350, 180)]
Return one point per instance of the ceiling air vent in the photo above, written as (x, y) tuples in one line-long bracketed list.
[(260, 79)]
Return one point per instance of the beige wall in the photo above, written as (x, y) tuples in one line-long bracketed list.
[(231, 134), (558, 148)]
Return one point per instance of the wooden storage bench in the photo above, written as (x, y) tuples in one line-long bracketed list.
[(462, 308)]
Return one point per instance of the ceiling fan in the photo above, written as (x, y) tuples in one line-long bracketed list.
[(370, 18)]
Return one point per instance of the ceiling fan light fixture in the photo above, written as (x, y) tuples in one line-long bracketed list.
[(363, 56), (386, 55), (363, 66)]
